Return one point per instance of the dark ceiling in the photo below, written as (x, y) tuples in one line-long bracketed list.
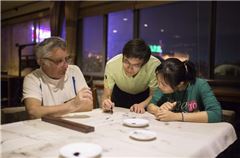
[(9, 5)]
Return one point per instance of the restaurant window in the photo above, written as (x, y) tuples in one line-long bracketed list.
[(42, 30), (63, 31), (120, 30), (227, 58), (9, 48), (93, 56), (178, 30), (30, 32)]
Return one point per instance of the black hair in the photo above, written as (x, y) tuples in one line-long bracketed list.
[(175, 71), (137, 48)]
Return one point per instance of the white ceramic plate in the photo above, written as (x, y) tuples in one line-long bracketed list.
[(80, 150), (136, 122), (143, 135)]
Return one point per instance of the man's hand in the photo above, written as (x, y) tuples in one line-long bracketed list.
[(84, 97), (138, 108), (107, 105)]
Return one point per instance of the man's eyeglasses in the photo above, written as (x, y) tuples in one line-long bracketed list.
[(67, 60), (134, 66)]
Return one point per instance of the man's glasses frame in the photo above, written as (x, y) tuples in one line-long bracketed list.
[(58, 62), (134, 66)]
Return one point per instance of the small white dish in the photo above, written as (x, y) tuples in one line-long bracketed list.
[(80, 150), (136, 122), (143, 135)]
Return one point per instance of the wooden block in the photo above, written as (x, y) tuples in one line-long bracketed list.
[(68, 124)]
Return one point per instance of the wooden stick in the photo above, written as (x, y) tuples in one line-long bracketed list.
[(68, 124)]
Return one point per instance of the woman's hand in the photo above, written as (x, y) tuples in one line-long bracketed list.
[(166, 115), (168, 106), (151, 108)]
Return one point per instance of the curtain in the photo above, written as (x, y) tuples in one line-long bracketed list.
[(71, 27), (57, 13)]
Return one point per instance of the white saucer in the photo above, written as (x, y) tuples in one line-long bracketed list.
[(143, 135), (80, 150), (136, 122)]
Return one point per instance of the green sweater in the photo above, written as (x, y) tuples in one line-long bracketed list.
[(197, 97)]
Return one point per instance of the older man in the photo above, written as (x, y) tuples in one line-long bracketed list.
[(56, 88)]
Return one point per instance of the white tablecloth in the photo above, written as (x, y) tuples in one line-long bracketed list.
[(36, 138)]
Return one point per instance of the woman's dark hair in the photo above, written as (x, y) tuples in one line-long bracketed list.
[(175, 71), (137, 48)]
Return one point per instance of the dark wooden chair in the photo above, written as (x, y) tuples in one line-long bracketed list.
[(228, 94), (13, 114)]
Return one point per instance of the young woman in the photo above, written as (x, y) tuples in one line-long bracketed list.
[(181, 96)]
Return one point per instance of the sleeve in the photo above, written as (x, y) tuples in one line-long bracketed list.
[(109, 81), (153, 79), (80, 80), (157, 95), (32, 87), (211, 105)]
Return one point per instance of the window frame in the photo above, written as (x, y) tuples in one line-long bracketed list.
[(94, 9)]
